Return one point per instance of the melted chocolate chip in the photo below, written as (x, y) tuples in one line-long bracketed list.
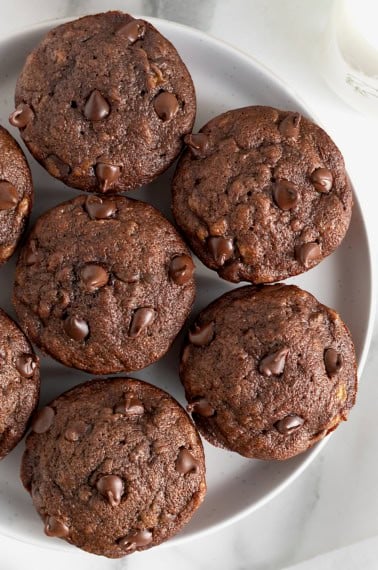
[(56, 528), (308, 252), (221, 249), (111, 487), (43, 420), (185, 462), (133, 30), (75, 430), (76, 328), (141, 319), (333, 361), (93, 277), (181, 269), (201, 335), (197, 143), (201, 407), (56, 166), (274, 363), (8, 196), (21, 116), (135, 539), (26, 365), (96, 108), (289, 127), (322, 179), (30, 255), (166, 105), (130, 407), (289, 424), (99, 209), (285, 194), (107, 175)]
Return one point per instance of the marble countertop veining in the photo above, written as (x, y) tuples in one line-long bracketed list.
[(334, 502)]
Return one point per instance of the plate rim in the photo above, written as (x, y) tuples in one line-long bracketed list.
[(265, 70)]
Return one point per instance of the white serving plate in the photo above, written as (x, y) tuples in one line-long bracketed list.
[(224, 78)]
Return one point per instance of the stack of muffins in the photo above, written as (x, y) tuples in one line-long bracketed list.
[(105, 283)]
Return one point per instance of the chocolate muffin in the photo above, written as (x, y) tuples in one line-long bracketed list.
[(104, 284), (268, 371), (19, 383), (261, 194), (136, 466), (103, 103), (16, 194)]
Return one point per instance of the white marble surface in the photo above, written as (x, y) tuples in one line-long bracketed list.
[(334, 503)]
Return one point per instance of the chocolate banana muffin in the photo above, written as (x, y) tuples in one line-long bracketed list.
[(268, 371), (104, 284), (103, 102), (16, 194), (261, 194), (19, 383), (136, 466)]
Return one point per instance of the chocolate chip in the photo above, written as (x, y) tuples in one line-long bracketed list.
[(181, 269), (289, 424), (333, 361), (322, 179), (56, 166), (75, 430), (107, 175), (285, 194), (126, 275), (93, 277), (141, 319), (185, 462), (166, 105), (201, 407), (43, 420), (221, 249), (26, 365), (21, 116), (201, 335), (30, 255), (99, 209), (289, 127), (308, 252), (133, 30), (111, 487), (56, 528), (76, 328), (197, 143), (135, 539), (274, 363), (96, 108), (8, 196), (231, 272), (130, 407)]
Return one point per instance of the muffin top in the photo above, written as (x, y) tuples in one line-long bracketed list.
[(104, 284), (16, 194), (261, 194), (268, 371), (103, 102), (114, 466), (19, 383)]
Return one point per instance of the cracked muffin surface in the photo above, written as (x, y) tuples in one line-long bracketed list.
[(103, 102), (114, 466), (261, 194), (104, 284), (19, 383), (268, 371)]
